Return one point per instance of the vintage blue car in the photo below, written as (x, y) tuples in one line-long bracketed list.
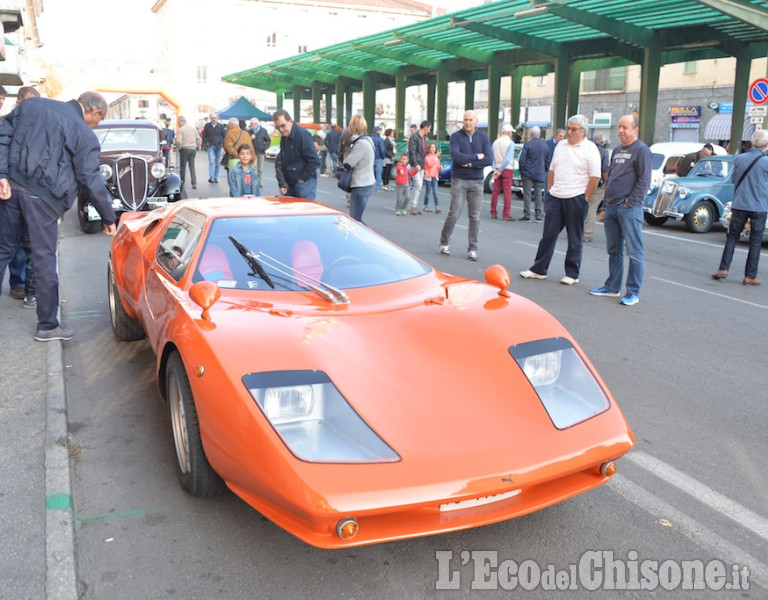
[(699, 199)]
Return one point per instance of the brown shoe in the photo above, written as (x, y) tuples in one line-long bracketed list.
[(509, 218), (721, 274), (748, 281), (17, 293), (494, 217)]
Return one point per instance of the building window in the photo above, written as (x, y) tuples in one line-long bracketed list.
[(604, 80), (143, 103), (541, 80), (272, 40), (302, 49), (689, 66), (202, 74)]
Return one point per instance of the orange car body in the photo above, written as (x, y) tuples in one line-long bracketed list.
[(424, 361)]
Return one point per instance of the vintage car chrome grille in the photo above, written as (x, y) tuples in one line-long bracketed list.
[(664, 198), (132, 174)]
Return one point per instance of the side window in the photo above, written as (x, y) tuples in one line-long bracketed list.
[(179, 243), (671, 164)]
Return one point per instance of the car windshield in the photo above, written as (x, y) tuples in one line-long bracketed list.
[(711, 167), (658, 160), (128, 138), (333, 249)]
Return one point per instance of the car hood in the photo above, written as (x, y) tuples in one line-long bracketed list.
[(430, 372)]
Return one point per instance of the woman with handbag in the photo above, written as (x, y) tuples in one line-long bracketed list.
[(359, 158)]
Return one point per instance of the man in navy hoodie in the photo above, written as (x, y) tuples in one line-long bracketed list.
[(471, 152)]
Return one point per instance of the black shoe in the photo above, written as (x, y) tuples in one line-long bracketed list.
[(210, 180), (215, 181), (525, 220), (49, 335)]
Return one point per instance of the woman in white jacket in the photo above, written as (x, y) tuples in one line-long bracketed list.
[(360, 160)]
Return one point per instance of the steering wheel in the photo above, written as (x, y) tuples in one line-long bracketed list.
[(342, 260)]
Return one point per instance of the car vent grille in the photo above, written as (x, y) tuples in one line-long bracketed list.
[(132, 179), (663, 200)]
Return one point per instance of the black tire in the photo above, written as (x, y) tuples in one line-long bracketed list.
[(655, 221), (82, 217), (195, 473), (701, 217), (125, 327), (488, 183)]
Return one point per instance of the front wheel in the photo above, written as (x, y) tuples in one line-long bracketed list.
[(488, 183), (82, 216), (655, 221), (701, 217), (196, 475)]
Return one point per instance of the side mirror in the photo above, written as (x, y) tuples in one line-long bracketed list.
[(205, 294)]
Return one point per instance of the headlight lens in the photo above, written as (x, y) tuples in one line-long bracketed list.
[(106, 172), (566, 387), (314, 420), (158, 170), (683, 192)]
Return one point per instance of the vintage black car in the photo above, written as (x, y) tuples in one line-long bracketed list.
[(133, 167)]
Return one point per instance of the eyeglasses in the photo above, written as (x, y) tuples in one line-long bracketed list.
[(574, 128), (281, 125)]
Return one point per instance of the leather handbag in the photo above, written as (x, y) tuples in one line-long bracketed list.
[(345, 179)]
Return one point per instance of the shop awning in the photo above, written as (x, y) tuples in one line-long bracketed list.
[(719, 128)]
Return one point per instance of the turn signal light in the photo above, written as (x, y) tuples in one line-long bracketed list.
[(608, 469), (347, 529)]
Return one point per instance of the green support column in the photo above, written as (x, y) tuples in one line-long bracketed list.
[(317, 96), (494, 93), (439, 126), (574, 87), (348, 97), (562, 67), (340, 120), (515, 96), (431, 86), (469, 94), (328, 105), (298, 92), (649, 92), (369, 101), (740, 88), (279, 99), (400, 125)]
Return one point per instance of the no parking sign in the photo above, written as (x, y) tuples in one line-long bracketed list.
[(758, 91)]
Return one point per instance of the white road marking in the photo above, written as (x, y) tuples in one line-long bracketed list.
[(692, 529), (703, 291), (715, 500)]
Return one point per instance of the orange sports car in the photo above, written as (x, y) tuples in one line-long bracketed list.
[(347, 390)]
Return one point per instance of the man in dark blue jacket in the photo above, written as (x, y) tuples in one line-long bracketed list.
[(534, 164), (379, 154), (47, 152), (298, 158), (471, 152), (332, 138)]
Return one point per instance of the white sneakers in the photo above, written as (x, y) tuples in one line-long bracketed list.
[(531, 275), (445, 249), (568, 280), (472, 255)]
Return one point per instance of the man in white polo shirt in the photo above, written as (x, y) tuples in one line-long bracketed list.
[(573, 177)]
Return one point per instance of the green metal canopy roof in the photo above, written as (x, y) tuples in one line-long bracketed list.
[(528, 35)]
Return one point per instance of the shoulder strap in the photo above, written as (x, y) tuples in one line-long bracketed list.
[(749, 168)]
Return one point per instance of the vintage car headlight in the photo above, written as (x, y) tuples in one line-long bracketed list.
[(314, 420), (158, 170), (684, 191), (106, 172), (566, 387)]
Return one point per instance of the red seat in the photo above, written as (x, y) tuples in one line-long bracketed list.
[(214, 264), (305, 257)]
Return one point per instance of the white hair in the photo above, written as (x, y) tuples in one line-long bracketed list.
[(760, 138), (580, 120), (534, 132)]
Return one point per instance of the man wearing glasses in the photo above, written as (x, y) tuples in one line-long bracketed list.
[(38, 192), (573, 176), (298, 161)]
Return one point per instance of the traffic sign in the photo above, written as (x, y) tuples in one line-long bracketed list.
[(758, 91), (756, 120), (758, 111)]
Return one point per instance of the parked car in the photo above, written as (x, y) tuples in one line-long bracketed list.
[(725, 221), (517, 186), (699, 199), (132, 165), (275, 323), (666, 154)]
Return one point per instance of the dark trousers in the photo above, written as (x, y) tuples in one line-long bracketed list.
[(756, 229), (42, 221), (568, 213), (187, 157)]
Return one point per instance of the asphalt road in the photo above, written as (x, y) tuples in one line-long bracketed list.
[(686, 364)]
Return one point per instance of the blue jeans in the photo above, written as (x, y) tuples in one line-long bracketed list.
[(622, 224), (335, 161), (430, 186), (471, 191), (378, 165), (358, 200), (214, 161), (757, 226), (303, 189), (568, 213)]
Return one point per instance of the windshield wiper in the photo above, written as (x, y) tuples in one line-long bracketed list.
[(328, 292), (252, 261)]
